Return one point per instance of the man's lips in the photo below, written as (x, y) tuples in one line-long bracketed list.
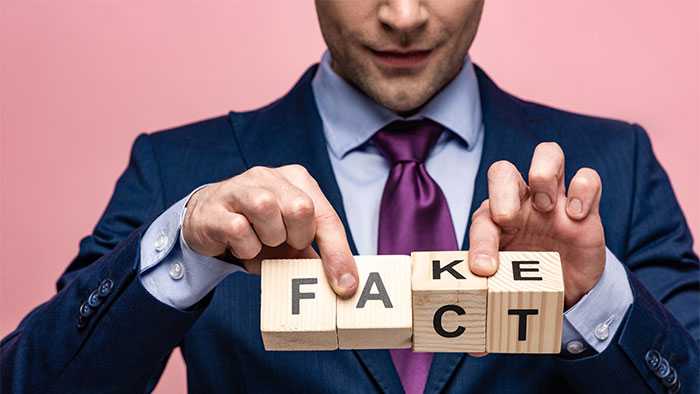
[(402, 59)]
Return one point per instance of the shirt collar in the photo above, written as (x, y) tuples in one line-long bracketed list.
[(350, 117)]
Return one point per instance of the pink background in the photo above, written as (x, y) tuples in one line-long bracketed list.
[(80, 79)]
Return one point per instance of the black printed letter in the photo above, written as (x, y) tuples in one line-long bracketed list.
[(437, 321), (518, 270), (374, 279), (522, 320), (297, 295), (437, 270)]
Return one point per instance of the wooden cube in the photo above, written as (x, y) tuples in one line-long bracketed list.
[(379, 315), (298, 306), (449, 304), (525, 304)]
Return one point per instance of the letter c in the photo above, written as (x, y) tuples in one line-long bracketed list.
[(437, 321)]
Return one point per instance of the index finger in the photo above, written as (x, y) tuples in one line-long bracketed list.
[(330, 236), (546, 176), (484, 242)]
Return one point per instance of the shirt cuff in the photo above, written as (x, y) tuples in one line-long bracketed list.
[(170, 270), (595, 318)]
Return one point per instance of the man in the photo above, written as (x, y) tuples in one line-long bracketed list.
[(395, 129)]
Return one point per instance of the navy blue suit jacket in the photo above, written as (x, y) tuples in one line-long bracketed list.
[(124, 344)]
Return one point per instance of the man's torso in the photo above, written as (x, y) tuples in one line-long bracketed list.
[(224, 350)]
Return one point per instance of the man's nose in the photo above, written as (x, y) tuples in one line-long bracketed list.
[(403, 16)]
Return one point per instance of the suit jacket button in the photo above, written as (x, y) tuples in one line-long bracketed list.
[(105, 288), (94, 299), (575, 347), (663, 370), (676, 388), (670, 380), (85, 310), (82, 321), (652, 359)]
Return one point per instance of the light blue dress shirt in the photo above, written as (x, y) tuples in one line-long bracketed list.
[(179, 277)]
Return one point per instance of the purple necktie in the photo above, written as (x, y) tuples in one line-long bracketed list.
[(413, 216)]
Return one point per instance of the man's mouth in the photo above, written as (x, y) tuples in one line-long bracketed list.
[(401, 59)]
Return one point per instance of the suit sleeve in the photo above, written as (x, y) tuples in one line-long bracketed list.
[(102, 331), (656, 348)]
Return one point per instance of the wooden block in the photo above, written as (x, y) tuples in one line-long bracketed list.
[(379, 315), (525, 304), (298, 306), (449, 304)]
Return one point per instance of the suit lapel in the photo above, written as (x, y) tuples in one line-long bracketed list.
[(506, 137), (290, 131)]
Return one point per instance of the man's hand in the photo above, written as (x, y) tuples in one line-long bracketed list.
[(270, 213), (542, 216)]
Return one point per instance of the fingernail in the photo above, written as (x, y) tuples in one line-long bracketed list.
[(542, 201), (575, 206), (346, 281), (484, 263)]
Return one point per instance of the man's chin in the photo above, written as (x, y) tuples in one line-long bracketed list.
[(402, 101)]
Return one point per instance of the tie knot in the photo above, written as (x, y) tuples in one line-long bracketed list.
[(407, 140)]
